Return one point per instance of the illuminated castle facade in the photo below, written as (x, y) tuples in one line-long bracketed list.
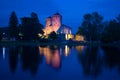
[(54, 23)]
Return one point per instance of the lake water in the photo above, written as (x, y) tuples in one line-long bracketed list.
[(59, 63)]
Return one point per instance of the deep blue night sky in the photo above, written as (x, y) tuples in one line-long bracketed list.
[(71, 10)]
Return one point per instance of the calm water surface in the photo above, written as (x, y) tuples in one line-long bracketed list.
[(59, 63)]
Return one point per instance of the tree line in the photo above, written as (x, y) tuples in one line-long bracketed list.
[(27, 30), (93, 28)]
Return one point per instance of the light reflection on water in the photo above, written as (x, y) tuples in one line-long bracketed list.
[(86, 62), (51, 55), (3, 51), (79, 48)]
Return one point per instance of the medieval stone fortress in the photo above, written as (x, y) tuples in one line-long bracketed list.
[(54, 23)]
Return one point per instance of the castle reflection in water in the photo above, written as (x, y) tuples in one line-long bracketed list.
[(52, 54), (57, 61)]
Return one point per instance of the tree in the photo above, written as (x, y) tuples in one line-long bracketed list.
[(111, 32), (53, 35), (31, 27), (80, 31), (118, 18), (91, 26), (35, 17), (13, 23)]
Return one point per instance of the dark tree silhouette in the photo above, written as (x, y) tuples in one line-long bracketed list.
[(118, 18), (111, 32), (91, 26), (31, 27), (35, 17), (53, 35), (13, 23), (80, 31)]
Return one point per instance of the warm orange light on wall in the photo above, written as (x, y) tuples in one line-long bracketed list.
[(39, 35), (68, 36), (79, 38)]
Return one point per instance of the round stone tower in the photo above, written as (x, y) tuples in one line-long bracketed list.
[(48, 27), (48, 22), (56, 21)]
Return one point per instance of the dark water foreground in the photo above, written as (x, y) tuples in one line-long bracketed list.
[(59, 62)]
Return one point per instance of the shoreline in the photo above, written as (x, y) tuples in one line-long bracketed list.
[(71, 43)]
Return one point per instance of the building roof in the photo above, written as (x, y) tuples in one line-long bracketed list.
[(49, 17), (63, 28)]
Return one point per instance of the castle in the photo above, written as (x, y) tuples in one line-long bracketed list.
[(54, 23)]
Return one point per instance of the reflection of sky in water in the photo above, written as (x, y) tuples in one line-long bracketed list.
[(62, 63)]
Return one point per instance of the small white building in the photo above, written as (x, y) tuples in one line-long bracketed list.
[(66, 31)]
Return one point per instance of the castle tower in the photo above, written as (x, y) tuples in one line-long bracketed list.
[(48, 22), (56, 21), (48, 27)]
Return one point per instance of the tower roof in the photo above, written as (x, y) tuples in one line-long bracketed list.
[(49, 17), (57, 13)]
